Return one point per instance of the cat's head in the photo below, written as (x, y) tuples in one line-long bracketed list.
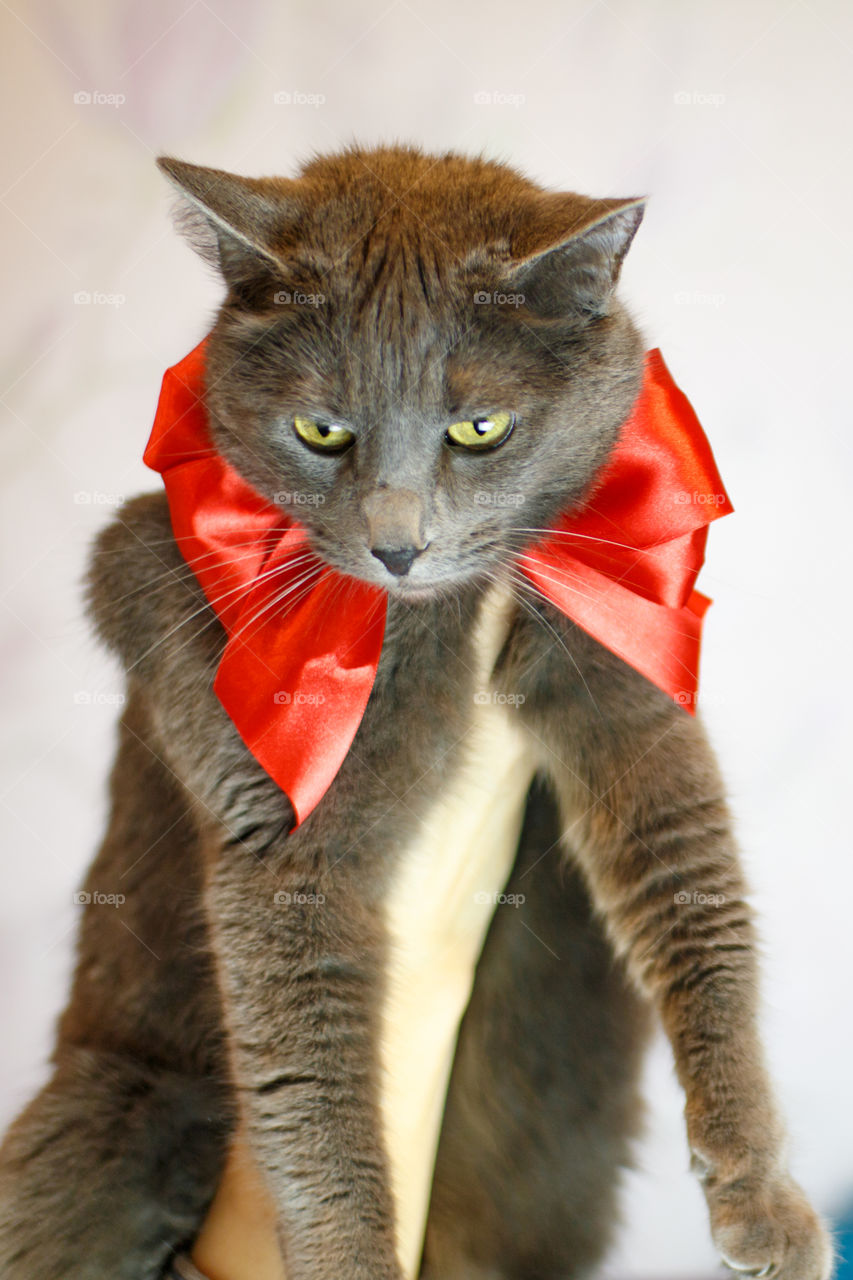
[(420, 358)]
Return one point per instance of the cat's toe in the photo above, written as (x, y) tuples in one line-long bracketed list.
[(772, 1234)]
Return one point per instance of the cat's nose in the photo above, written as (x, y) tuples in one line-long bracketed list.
[(395, 527), (397, 559)]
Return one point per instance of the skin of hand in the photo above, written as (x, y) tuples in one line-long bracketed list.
[(238, 1239)]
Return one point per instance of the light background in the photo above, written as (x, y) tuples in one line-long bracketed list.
[(736, 119)]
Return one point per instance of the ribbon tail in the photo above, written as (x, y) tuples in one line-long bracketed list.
[(297, 691)]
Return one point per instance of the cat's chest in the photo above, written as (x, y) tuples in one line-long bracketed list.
[(448, 881)]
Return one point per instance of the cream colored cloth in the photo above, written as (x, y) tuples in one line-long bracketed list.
[(438, 916)]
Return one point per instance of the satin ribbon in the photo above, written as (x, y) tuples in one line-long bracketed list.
[(304, 641)]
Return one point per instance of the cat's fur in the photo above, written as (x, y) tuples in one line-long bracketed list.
[(238, 1006)]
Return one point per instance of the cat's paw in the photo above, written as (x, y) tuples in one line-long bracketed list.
[(771, 1232)]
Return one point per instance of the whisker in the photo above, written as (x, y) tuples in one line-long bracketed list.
[(274, 531), (306, 578), (527, 585), (588, 537), (214, 662), (183, 570), (561, 582), (274, 603), (245, 588), (203, 628), (614, 609)]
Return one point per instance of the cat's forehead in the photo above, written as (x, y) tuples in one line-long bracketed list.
[(402, 201)]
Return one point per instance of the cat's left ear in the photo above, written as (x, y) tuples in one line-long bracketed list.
[(566, 257)]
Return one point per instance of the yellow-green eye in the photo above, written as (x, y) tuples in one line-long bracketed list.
[(326, 437), (482, 433)]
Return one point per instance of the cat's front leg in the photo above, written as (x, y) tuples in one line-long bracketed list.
[(644, 814), (299, 947), (300, 958)]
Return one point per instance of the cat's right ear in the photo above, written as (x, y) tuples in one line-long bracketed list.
[(236, 224), (567, 254)]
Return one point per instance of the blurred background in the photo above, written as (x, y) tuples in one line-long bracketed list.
[(736, 120)]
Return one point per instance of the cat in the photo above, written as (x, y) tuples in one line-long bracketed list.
[(629, 897)]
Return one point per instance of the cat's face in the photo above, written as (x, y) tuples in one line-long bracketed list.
[(419, 359)]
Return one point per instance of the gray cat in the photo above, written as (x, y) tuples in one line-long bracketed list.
[(238, 1010)]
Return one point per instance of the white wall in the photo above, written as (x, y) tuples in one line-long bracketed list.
[(735, 118)]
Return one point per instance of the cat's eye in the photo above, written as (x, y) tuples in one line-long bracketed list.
[(482, 433), (325, 437)]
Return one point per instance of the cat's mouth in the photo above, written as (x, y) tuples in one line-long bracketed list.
[(406, 586), (418, 591), (421, 591)]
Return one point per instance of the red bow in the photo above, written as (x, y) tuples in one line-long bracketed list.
[(304, 641)]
